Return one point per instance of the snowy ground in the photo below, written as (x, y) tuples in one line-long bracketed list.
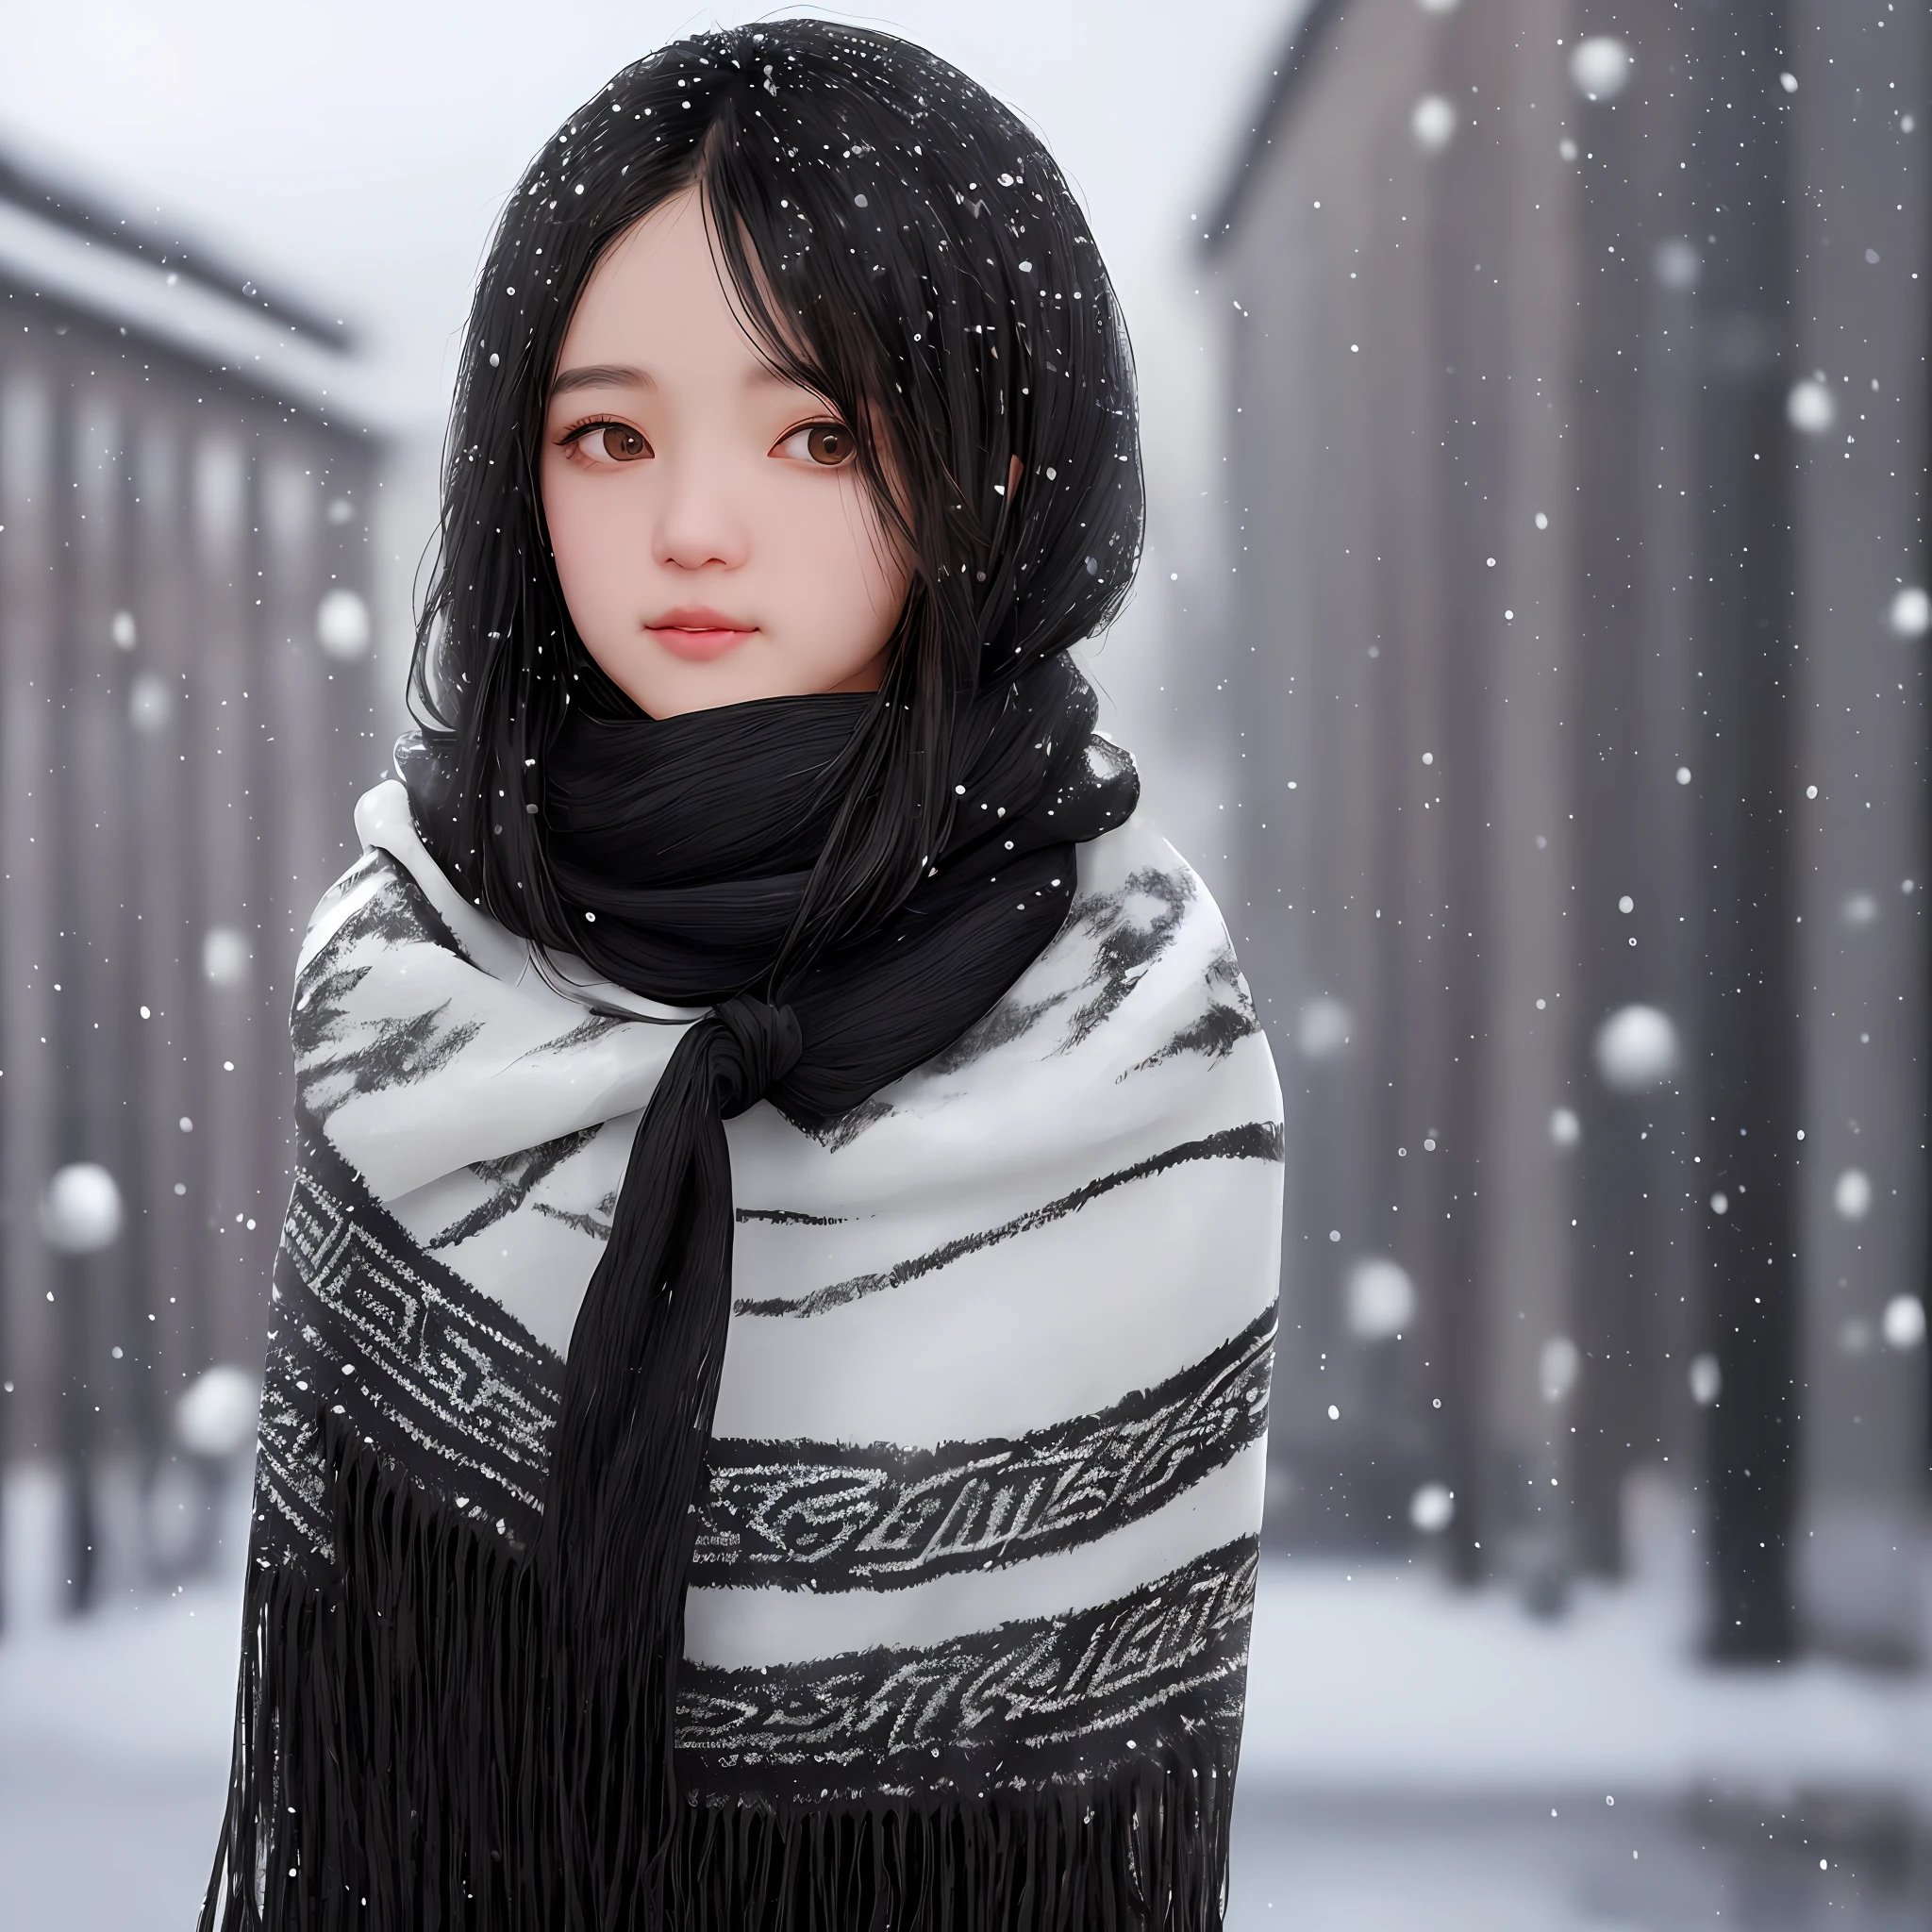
[(1422, 1757), (1387, 1680), (1416, 1758), (114, 1755)]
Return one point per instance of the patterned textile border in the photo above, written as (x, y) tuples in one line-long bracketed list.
[(1055, 1697), (822, 1516), (368, 1325)]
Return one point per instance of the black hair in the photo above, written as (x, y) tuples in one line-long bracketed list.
[(903, 245)]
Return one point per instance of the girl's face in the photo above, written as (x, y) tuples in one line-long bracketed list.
[(713, 538)]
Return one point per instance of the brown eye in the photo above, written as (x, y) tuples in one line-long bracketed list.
[(622, 443), (829, 443)]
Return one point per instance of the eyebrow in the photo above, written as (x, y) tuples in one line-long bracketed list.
[(623, 376), (601, 375)]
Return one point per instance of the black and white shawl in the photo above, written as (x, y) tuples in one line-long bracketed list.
[(968, 1609)]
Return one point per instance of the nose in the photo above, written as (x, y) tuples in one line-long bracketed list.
[(699, 523)]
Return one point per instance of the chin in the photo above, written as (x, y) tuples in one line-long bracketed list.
[(684, 687), (665, 686)]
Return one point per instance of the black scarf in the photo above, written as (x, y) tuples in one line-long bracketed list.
[(680, 849)]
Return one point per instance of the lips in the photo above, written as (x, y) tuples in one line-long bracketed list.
[(697, 633)]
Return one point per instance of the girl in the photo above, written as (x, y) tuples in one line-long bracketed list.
[(763, 1422)]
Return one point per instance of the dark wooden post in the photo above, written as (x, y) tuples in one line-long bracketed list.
[(225, 1126), (76, 1429), (31, 419), (1627, 934), (1463, 229), (131, 1071), (1614, 1280), (163, 830), (1749, 1032)]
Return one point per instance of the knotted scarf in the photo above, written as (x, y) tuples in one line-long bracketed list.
[(680, 848)]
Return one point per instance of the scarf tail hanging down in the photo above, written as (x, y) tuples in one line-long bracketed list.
[(443, 1725)]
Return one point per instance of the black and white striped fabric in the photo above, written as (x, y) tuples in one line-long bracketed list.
[(985, 1482)]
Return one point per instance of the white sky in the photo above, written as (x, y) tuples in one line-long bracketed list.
[(357, 151)]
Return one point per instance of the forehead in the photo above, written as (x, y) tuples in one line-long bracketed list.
[(656, 302)]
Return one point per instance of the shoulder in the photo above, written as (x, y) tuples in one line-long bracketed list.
[(379, 980), (396, 973), (374, 900), (395, 895), (1132, 880), (1141, 988), (1145, 934)]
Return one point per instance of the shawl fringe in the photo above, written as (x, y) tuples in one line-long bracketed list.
[(399, 1753)]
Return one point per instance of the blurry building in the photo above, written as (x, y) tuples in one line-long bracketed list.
[(186, 717), (1572, 710)]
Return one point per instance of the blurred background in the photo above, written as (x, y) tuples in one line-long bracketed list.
[(1529, 650)]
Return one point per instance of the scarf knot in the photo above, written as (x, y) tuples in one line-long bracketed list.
[(767, 1043)]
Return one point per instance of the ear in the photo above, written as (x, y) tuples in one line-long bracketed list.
[(1015, 470)]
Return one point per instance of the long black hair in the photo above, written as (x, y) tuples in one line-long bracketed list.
[(904, 246)]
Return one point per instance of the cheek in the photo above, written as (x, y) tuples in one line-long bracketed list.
[(586, 526), (844, 562), (884, 569), (563, 520)]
